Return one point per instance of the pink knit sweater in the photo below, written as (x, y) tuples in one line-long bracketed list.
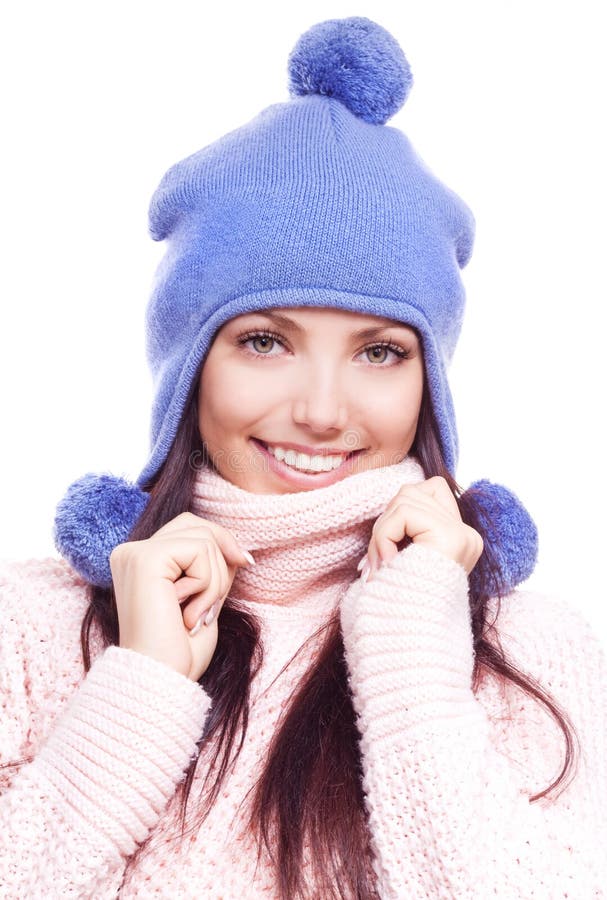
[(447, 773)]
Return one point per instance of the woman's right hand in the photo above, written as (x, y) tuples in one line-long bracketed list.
[(188, 561)]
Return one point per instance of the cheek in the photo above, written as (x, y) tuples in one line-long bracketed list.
[(230, 396), (395, 403)]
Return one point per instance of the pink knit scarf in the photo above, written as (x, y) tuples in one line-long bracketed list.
[(306, 544)]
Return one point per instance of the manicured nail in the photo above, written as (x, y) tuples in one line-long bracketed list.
[(361, 562), (365, 572), (248, 557), (196, 627), (211, 613)]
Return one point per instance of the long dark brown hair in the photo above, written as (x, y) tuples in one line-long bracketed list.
[(310, 788)]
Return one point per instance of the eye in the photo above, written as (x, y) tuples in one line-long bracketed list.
[(378, 352), (262, 341)]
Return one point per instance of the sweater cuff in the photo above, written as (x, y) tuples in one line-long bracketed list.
[(123, 744), (409, 646)]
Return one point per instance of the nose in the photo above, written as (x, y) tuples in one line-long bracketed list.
[(320, 404)]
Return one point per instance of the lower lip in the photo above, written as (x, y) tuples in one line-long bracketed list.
[(302, 479)]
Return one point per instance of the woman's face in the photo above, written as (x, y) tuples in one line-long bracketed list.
[(285, 393)]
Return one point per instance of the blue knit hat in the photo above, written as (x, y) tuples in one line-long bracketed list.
[(315, 202)]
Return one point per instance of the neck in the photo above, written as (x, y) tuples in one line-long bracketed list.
[(306, 544)]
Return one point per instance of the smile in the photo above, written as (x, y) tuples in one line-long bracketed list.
[(303, 470), (304, 462)]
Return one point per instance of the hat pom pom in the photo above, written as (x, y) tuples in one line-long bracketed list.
[(356, 61), (97, 513), (510, 533)]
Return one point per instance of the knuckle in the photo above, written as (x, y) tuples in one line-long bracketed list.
[(181, 517), (125, 556), (189, 519), (209, 538), (443, 486), (119, 552)]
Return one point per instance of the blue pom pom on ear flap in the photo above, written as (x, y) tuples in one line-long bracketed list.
[(356, 61), (510, 533), (97, 513)]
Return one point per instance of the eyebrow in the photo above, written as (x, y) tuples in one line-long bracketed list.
[(362, 333)]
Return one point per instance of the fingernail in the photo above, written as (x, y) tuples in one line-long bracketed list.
[(211, 613), (248, 557), (365, 572), (196, 628), (361, 562)]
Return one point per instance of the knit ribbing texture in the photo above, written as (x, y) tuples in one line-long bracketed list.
[(306, 544)]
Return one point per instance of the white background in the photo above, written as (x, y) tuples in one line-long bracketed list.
[(507, 108)]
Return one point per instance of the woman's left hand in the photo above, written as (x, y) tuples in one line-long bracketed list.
[(425, 513)]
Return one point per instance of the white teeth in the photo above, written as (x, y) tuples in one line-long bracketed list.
[(306, 463)]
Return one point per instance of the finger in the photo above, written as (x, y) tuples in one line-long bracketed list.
[(438, 488), (204, 535), (373, 559), (388, 531), (210, 615), (189, 564), (420, 500), (189, 589), (408, 519), (186, 587), (381, 549), (413, 510), (201, 602), (200, 572), (225, 576), (231, 549), (177, 554), (435, 493), (217, 593)]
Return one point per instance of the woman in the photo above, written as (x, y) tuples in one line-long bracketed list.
[(302, 667)]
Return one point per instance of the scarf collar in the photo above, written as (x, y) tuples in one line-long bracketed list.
[(306, 544)]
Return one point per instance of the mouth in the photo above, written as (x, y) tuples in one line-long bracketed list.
[(304, 470)]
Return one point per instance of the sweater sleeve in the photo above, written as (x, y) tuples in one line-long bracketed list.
[(102, 777), (448, 815)]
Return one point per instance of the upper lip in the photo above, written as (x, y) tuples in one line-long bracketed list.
[(311, 451)]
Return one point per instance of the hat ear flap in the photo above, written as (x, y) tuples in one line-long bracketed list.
[(510, 534), (97, 513)]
